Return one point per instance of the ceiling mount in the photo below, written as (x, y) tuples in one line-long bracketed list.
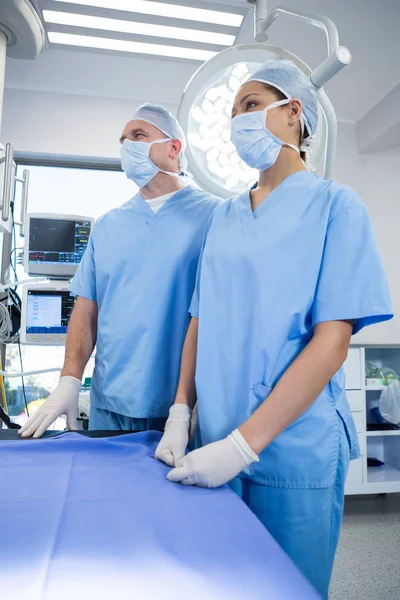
[(22, 27), (10, 36)]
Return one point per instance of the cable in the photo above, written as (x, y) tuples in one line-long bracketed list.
[(6, 419), (10, 316), (7, 286), (26, 373), (22, 378), (15, 298), (5, 323), (3, 391), (15, 275), (10, 301), (15, 250)]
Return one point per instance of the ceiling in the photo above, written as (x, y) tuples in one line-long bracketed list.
[(367, 27)]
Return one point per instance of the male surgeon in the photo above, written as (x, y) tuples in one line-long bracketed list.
[(134, 287)]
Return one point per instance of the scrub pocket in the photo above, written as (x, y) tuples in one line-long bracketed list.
[(258, 394), (347, 435), (304, 455)]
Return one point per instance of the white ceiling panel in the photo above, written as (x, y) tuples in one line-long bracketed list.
[(368, 28)]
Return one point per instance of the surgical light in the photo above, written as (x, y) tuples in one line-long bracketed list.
[(129, 46), (208, 98), (149, 29), (205, 114), (160, 9)]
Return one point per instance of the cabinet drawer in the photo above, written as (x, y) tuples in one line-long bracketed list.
[(356, 399), (355, 472), (359, 420), (352, 369), (356, 467)]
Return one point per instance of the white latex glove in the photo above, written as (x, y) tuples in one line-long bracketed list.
[(63, 401), (215, 464), (173, 444)]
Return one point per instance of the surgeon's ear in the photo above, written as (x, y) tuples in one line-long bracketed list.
[(175, 148), (295, 109)]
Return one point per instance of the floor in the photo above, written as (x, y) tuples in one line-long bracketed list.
[(367, 563)]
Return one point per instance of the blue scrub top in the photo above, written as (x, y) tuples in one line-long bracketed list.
[(307, 254), (140, 268)]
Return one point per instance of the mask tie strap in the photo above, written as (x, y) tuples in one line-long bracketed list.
[(305, 147), (173, 174)]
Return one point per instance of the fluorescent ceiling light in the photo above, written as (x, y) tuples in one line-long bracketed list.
[(159, 9), (86, 41), (192, 35)]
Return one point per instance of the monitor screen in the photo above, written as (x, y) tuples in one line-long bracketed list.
[(48, 312), (57, 241)]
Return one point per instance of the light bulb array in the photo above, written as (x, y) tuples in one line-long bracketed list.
[(210, 137)]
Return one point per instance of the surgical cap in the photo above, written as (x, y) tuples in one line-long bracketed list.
[(160, 117), (293, 83)]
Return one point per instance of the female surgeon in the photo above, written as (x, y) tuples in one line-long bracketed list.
[(290, 270)]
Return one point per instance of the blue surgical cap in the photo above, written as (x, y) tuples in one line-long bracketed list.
[(293, 83), (161, 118)]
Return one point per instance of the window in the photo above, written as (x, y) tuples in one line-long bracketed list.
[(87, 192)]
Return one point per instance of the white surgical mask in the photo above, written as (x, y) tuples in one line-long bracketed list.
[(137, 164), (255, 144)]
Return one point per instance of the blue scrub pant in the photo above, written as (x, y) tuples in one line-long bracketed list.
[(305, 522), (106, 420)]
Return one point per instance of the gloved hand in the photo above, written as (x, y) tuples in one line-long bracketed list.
[(215, 464), (173, 444), (63, 401)]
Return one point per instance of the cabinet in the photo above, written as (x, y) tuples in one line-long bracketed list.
[(356, 399), (383, 445), (353, 369), (356, 468)]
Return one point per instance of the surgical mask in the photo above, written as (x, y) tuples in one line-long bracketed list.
[(137, 164), (255, 144)]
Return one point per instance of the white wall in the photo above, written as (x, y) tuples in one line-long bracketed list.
[(375, 178), (39, 121), (58, 123)]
